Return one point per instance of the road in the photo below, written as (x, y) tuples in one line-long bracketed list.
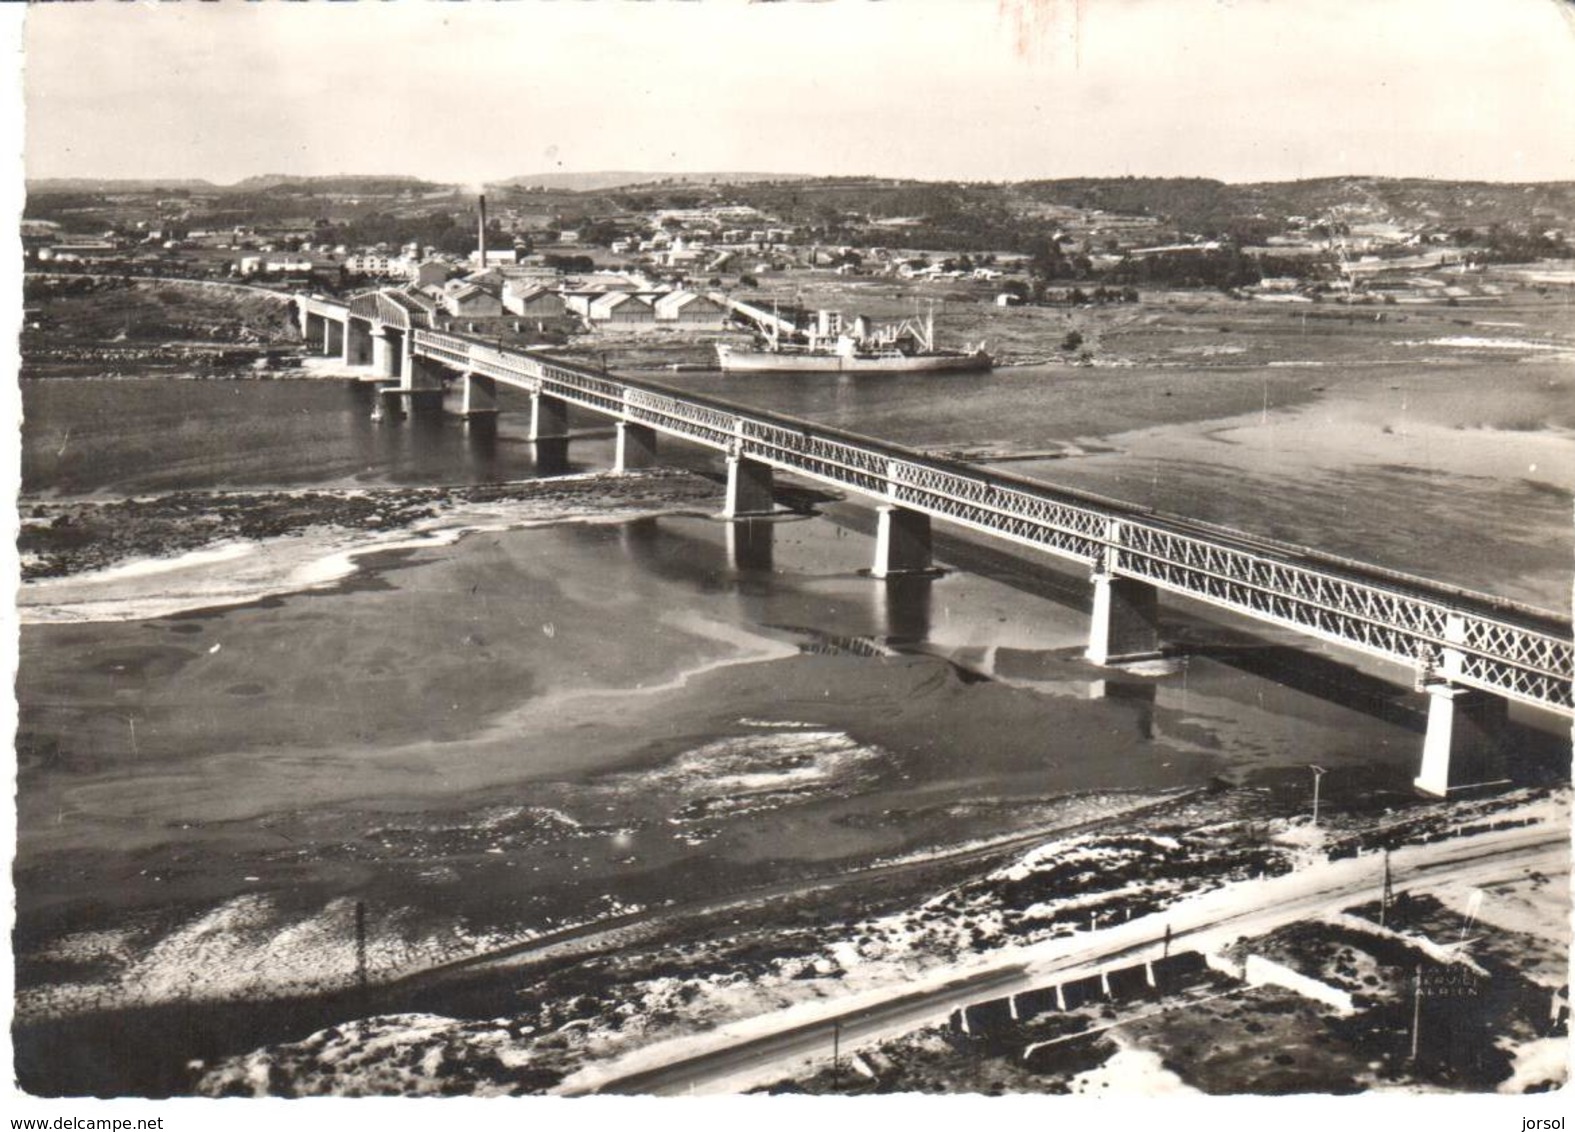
[(761, 1050), (857, 1027), (611, 932)]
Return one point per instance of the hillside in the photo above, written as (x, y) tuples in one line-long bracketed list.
[(1187, 204), (1201, 205), (367, 184), (114, 185), (1088, 215), (598, 181), (370, 184), (1418, 201)]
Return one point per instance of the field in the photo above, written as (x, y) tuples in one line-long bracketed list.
[(86, 327), (1197, 327)]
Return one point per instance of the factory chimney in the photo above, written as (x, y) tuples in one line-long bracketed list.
[(481, 232)]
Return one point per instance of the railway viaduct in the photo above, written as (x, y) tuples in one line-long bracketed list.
[(1471, 654)]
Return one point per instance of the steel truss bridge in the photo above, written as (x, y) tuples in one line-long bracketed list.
[(1448, 637)]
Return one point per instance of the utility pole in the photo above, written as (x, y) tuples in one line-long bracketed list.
[(1389, 893), (1318, 773), (1416, 1014), (360, 944)]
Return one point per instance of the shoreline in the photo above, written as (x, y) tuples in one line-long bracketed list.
[(802, 972), (238, 547)]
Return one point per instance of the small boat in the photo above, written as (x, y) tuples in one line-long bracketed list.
[(830, 346)]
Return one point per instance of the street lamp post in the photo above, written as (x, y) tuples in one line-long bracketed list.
[(1318, 773)]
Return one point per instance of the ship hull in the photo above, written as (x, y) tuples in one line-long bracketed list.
[(764, 361)]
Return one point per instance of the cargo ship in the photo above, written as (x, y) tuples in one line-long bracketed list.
[(833, 345)]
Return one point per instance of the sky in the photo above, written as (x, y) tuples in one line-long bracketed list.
[(1239, 90)]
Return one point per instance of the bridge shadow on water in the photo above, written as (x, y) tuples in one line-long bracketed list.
[(1528, 753), (428, 442), (1311, 674), (743, 559), (899, 610), (898, 615), (747, 560)]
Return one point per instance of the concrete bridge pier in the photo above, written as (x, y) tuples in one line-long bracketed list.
[(1464, 731), (388, 354), (418, 384), (749, 484), (314, 327), (1465, 727), (636, 447), (333, 338), (358, 342), (416, 373), (902, 542), (479, 396), (549, 418), (1125, 623)]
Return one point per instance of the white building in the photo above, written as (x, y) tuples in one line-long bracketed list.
[(375, 263), (532, 301), (496, 257), (428, 272), (688, 310), (466, 300)]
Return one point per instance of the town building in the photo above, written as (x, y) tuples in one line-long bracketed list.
[(467, 300), (376, 263), (496, 257), (688, 310), (542, 307), (428, 273), (622, 310)]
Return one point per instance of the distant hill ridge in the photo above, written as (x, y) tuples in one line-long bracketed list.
[(347, 181), (988, 210), (351, 182), (116, 185), (601, 180)]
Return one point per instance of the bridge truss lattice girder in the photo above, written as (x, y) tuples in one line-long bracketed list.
[(1440, 636)]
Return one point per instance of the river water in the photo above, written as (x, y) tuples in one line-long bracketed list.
[(530, 728), (1459, 472)]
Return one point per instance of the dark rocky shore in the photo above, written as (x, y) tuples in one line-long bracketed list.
[(58, 539)]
